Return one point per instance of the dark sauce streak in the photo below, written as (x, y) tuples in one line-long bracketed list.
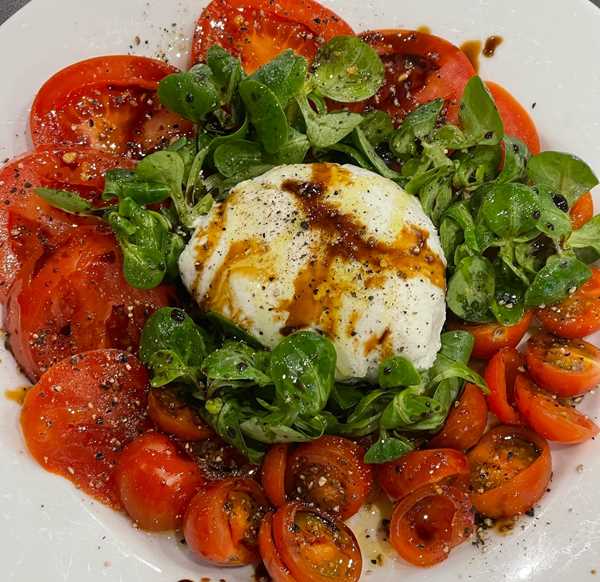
[(472, 48), (491, 44)]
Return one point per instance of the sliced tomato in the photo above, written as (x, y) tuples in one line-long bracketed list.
[(431, 521), (419, 68), (315, 547), (276, 569), (582, 211), (579, 314), (256, 31), (500, 375), (156, 482), (108, 103), (273, 473), (219, 460), (417, 469), (550, 418), (222, 521), (562, 366), (78, 301), (492, 337), (466, 422), (517, 121), (330, 473), (510, 471), (80, 415), (170, 410)]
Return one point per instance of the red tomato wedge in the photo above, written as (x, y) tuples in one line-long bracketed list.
[(579, 314), (419, 68), (582, 211), (510, 471), (78, 301), (549, 418), (500, 375), (276, 569), (258, 30), (431, 521), (108, 103), (80, 415), (517, 121)]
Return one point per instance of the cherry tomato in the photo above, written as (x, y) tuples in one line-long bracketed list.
[(80, 415), (256, 31), (222, 521), (510, 471), (219, 460), (579, 314), (416, 469), (419, 68), (108, 103), (562, 366), (78, 301), (517, 121), (466, 422), (492, 337), (329, 472), (276, 569), (171, 412), (431, 521), (313, 546), (273, 474), (156, 482), (500, 376), (582, 211), (549, 418)]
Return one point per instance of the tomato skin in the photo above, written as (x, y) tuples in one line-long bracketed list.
[(269, 554), (561, 366), (81, 413), (551, 419), (273, 473), (429, 522), (466, 422), (520, 481), (579, 314), (258, 30), (500, 375), (517, 121), (214, 529), (417, 469), (156, 482), (582, 211)]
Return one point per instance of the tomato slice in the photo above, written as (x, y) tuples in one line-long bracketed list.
[(64, 310), (549, 418), (315, 547), (156, 482), (562, 366), (510, 471), (273, 474), (579, 314), (417, 469), (516, 119), (80, 415), (219, 460), (277, 570), (466, 422), (108, 103), (431, 521), (256, 31), (582, 211), (500, 375), (329, 472)]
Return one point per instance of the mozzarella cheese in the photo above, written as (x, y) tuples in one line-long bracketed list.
[(332, 248)]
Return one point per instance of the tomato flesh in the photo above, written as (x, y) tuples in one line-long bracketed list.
[(273, 473), (500, 375), (268, 552)]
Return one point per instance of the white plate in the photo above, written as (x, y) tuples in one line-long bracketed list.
[(52, 532)]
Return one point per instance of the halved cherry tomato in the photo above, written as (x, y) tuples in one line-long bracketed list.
[(273, 474), (431, 521), (562, 366), (517, 121), (466, 422), (500, 376), (268, 552), (419, 68), (170, 410), (80, 415), (258, 30), (219, 460), (315, 547), (579, 314), (582, 211), (156, 482), (492, 337), (222, 521), (329, 472), (546, 415), (510, 471), (108, 103), (78, 301), (417, 469)]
